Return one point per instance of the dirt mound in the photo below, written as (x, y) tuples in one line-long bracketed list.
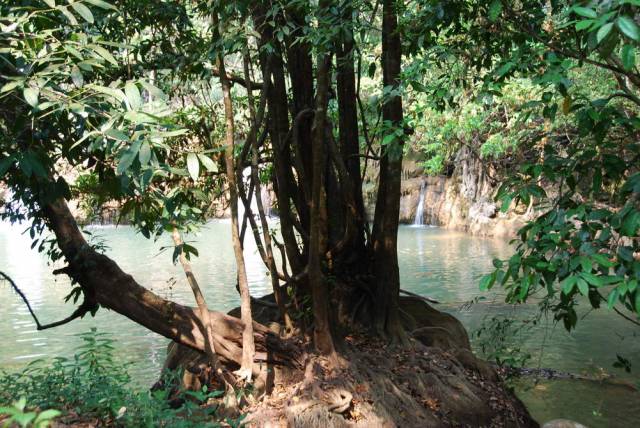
[(378, 386), (436, 382)]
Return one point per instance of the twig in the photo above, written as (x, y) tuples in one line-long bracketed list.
[(78, 313)]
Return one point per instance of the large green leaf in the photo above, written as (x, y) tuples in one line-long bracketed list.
[(133, 95), (193, 166), (145, 153), (101, 4), (31, 95), (102, 52), (210, 165), (628, 27), (628, 56), (67, 13), (585, 11), (83, 11), (76, 76), (604, 31)]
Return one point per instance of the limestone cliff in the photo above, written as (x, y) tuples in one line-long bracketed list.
[(462, 200)]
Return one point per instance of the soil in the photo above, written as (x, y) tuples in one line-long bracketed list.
[(435, 382)]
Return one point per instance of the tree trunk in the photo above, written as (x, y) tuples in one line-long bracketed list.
[(348, 125), (317, 243), (278, 125), (385, 232), (103, 280), (278, 292), (248, 346), (200, 300)]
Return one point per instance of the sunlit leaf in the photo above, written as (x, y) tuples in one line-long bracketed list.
[(31, 95), (193, 166), (83, 11)]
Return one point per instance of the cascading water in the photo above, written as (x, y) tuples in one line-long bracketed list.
[(266, 200), (419, 220)]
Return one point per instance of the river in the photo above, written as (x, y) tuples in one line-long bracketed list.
[(441, 264)]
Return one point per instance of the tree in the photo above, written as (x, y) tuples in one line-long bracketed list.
[(115, 128)]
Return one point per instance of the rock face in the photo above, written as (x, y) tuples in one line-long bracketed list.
[(462, 201)]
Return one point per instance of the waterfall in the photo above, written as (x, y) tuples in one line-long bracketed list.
[(265, 196), (419, 220)]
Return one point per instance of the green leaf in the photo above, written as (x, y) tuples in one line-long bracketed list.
[(104, 54), (153, 91), (628, 27), (76, 76), (116, 134), (630, 224), (584, 24), (613, 296), (24, 419), (114, 93), (83, 11), (11, 85), (628, 56), (47, 415), (586, 264), (133, 95), (193, 166), (568, 283), (604, 31), (50, 3), (31, 95), (583, 287), (592, 279), (495, 9), (206, 161), (145, 153), (67, 13), (188, 250), (602, 260), (487, 281), (127, 158), (5, 164), (585, 11), (101, 4)]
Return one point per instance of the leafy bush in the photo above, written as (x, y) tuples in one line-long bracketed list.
[(18, 414), (94, 385)]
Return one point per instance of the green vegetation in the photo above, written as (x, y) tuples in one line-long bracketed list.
[(93, 386)]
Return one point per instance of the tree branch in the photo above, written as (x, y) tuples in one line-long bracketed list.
[(80, 311)]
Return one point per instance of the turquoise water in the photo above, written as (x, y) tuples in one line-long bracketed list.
[(441, 264)]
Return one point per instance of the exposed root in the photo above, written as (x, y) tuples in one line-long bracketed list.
[(381, 386)]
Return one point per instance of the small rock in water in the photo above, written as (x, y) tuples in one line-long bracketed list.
[(562, 423)]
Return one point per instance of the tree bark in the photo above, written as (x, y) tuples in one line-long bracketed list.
[(197, 294), (248, 346), (348, 124), (103, 281), (318, 233), (385, 231), (266, 236), (273, 71)]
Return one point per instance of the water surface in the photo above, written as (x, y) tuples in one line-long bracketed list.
[(442, 264)]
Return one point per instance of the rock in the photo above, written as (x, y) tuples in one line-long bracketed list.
[(563, 423)]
